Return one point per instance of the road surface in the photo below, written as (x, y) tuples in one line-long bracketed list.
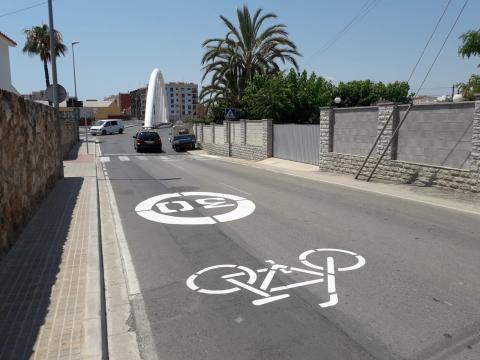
[(416, 297)]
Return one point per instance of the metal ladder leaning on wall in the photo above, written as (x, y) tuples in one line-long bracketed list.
[(386, 147)]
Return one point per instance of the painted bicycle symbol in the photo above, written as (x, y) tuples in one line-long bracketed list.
[(242, 277)]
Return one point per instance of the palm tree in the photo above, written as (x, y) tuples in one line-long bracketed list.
[(38, 43), (244, 52)]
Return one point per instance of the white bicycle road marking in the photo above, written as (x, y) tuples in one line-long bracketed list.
[(159, 208), (264, 290)]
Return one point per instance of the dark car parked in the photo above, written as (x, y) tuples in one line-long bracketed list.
[(147, 140)]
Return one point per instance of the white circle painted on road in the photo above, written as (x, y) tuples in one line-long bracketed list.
[(174, 208)]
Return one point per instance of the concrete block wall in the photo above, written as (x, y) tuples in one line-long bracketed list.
[(28, 168), (391, 169), (437, 134), (251, 140), (355, 130)]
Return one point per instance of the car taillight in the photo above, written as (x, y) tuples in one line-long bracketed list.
[(139, 141), (158, 142)]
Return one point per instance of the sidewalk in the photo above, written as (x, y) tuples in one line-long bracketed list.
[(50, 293), (466, 202)]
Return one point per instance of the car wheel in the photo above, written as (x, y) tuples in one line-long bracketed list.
[(120, 131), (104, 132)]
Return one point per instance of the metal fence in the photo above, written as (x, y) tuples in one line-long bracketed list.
[(296, 142)]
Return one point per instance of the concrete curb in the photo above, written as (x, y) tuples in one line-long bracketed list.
[(126, 325), (93, 345)]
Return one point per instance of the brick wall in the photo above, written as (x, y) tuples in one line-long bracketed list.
[(30, 160)]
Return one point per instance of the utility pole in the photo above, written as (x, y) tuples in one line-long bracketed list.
[(53, 54), (77, 115), (74, 75)]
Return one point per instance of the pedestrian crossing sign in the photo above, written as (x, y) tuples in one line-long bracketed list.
[(230, 114)]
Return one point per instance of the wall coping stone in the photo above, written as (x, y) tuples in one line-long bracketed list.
[(356, 109), (449, 105)]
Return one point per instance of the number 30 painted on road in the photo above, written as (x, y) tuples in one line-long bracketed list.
[(145, 209)]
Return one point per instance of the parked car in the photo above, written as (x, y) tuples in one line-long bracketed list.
[(147, 140), (104, 127), (183, 142)]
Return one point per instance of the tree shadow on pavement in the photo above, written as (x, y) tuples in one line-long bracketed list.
[(29, 271)]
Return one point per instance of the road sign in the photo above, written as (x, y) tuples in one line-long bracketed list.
[(61, 93), (181, 208), (230, 114)]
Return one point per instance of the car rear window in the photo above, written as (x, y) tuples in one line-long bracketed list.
[(148, 136)]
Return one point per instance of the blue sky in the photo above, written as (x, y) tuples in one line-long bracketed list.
[(122, 41)]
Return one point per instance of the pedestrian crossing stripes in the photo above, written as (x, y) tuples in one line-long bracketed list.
[(166, 158)]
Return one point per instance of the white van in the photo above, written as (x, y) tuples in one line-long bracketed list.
[(104, 127)]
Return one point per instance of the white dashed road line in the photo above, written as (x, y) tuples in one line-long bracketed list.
[(123, 158), (105, 159)]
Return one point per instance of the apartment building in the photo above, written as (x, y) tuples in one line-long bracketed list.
[(182, 100), (138, 100)]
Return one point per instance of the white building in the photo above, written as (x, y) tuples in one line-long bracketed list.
[(5, 74), (182, 100)]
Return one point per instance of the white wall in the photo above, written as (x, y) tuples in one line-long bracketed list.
[(5, 76)]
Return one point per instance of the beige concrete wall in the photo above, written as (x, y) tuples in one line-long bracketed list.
[(207, 134), (30, 160), (235, 133), (254, 133), (219, 134)]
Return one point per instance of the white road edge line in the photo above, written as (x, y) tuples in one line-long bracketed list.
[(236, 189), (408, 198), (133, 287)]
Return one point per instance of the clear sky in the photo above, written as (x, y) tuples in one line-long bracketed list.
[(122, 41)]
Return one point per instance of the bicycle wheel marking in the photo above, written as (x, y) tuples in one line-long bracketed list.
[(173, 208), (263, 287)]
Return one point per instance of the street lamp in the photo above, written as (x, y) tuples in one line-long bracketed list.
[(74, 76), (337, 100)]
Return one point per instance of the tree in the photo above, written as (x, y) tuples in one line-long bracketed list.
[(470, 44), (38, 43), (366, 92), (247, 50), (293, 98), (470, 88)]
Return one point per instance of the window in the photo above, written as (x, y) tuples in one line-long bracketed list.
[(114, 123)]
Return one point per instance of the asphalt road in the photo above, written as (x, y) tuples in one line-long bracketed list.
[(416, 297)]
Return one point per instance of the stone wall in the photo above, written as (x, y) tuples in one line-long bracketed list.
[(237, 138), (445, 123), (30, 160), (69, 136)]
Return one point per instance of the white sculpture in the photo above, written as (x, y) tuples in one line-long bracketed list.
[(156, 111)]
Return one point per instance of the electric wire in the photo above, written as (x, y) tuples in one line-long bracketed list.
[(441, 48), (429, 40), (364, 10), (23, 9)]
